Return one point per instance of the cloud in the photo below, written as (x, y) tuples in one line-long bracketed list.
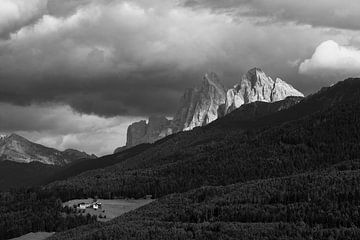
[(330, 58), (320, 13), (15, 14), (74, 73), (112, 57), (132, 51), (60, 127)]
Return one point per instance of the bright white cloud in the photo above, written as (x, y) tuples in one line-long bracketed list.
[(330, 58), (16, 13)]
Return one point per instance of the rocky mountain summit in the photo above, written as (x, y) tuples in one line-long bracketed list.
[(18, 149), (255, 86), (207, 102), (200, 105)]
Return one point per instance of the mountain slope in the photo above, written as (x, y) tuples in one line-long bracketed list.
[(318, 131), (243, 116), (97, 163), (18, 149), (14, 175), (250, 111), (321, 205)]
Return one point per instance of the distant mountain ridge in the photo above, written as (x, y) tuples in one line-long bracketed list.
[(207, 102), (19, 149)]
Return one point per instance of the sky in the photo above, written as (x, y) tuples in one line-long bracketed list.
[(76, 73)]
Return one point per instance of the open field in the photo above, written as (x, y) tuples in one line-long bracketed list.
[(111, 208), (34, 236)]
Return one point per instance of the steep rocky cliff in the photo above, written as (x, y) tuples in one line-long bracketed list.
[(255, 86), (207, 102), (199, 106), (147, 132)]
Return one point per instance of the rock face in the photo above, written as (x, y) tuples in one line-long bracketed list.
[(19, 149), (199, 106), (207, 102), (143, 132), (255, 86)]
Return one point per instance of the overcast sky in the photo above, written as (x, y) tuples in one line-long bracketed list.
[(76, 73)]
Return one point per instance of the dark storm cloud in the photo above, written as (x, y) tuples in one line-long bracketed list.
[(324, 13), (136, 57), (137, 61), (144, 92)]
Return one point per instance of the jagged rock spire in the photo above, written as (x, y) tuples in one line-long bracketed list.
[(199, 106), (254, 86), (209, 101)]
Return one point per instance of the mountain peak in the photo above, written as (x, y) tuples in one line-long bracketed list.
[(200, 106), (256, 86), (211, 77), (19, 149), (208, 101), (255, 70), (14, 136), (257, 76)]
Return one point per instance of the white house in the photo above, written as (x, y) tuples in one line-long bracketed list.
[(83, 205), (94, 205)]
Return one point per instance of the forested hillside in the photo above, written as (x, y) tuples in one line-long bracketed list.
[(307, 206), (96, 163), (319, 131), (20, 175), (32, 210)]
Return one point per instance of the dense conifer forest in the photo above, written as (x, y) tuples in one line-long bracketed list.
[(32, 210), (20, 175), (323, 205)]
